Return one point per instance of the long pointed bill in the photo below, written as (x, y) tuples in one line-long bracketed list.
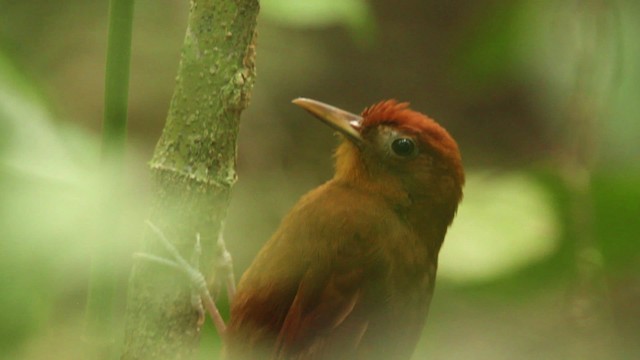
[(345, 122)]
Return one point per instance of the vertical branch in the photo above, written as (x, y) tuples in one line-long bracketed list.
[(102, 282), (595, 70), (116, 90), (193, 168)]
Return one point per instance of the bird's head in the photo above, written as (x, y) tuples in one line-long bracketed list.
[(396, 152)]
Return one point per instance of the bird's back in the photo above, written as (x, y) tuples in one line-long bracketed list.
[(344, 276)]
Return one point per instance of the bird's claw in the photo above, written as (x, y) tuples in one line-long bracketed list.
[(224, 264), (200, 298)]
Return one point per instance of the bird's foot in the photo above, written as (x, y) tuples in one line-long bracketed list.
[(201, 298), (224, 266)]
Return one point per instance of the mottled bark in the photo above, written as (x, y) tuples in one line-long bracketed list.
[(193, 169)]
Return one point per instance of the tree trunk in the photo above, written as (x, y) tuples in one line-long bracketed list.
[(193, 169)]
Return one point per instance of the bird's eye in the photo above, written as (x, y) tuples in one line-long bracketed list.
[(403, 147)]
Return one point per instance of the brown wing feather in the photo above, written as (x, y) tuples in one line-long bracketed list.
[(322, 303), (320, 288)]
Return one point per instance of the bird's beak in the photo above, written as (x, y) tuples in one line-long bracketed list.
[(345, 122)]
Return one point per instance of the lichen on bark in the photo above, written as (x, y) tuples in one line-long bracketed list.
[(193, 169)]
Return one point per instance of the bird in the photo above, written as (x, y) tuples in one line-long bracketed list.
[(350, 272)]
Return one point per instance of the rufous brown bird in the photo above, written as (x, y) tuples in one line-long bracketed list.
[(350, 272)]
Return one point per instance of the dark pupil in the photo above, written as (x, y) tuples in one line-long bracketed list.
[(403, 146)]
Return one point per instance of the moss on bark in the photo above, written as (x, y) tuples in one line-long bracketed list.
[(193, 169)]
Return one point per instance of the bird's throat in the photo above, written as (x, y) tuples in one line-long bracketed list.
[(353, 171)]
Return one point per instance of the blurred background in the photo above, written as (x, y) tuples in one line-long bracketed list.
[(543, 97)]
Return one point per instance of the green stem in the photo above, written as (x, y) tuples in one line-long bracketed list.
[(99, 324), (117, 77)]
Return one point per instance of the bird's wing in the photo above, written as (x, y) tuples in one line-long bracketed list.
[(320, 286), (329, 315), (355, 306)]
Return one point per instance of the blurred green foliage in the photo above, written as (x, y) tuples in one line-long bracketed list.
[(355, 15), (539, 95), (35, 170), (506, 223)]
